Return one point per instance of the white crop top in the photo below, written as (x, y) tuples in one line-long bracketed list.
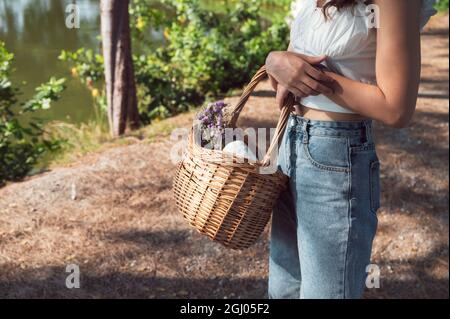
[(347, 39)]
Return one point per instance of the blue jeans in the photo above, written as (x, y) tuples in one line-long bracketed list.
[(324, 223)]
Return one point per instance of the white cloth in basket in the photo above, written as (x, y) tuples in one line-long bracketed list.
[(240, 149)]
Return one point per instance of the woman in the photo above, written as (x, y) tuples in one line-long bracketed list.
[(345, 73)]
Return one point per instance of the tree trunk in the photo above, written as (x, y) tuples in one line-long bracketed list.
[(119, 73)]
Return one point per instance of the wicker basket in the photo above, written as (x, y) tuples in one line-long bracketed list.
[(229, 201)]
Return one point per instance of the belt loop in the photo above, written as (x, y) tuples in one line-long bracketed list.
[(292, 124), (305, 128), (366, 132)]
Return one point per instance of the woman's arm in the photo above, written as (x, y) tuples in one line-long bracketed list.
[(393, 100)]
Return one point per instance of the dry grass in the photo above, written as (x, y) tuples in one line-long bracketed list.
[(94, 137), (112, 213)]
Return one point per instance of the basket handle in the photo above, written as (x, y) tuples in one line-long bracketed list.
[(282, 121)]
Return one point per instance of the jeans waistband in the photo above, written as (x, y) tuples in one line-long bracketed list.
[(361, 129)]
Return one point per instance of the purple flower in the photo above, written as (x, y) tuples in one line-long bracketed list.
[(201, 115), (212, 122), (220, 104)]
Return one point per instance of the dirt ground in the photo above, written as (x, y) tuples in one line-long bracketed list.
[(113, 214)]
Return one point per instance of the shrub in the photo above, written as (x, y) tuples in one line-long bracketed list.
[(442, 5), (22, 145), (206, 53)]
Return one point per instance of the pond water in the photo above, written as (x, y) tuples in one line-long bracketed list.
[(35, 31)]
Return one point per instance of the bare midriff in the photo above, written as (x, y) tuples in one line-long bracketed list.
[(318, 115)]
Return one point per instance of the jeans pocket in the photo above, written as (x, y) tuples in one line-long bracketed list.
[(328, 153), (375, 186)]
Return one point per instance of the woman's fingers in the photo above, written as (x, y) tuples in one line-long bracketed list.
[(308, 84), (282, 93), (273, 82), (311, 70), (317, 86), (297, 91), (308, 90), (318, 75)]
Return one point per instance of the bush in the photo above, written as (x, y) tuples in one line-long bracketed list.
[(442, 5), (206, 53), (22, 145)]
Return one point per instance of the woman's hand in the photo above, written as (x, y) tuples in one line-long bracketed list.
[(282, 92), (296, 73)]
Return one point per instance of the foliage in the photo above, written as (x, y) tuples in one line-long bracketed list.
[(442, 5), (22, 145), (89, 65), (205, 53)]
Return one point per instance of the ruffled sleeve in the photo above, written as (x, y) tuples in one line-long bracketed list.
[(428, 11)]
